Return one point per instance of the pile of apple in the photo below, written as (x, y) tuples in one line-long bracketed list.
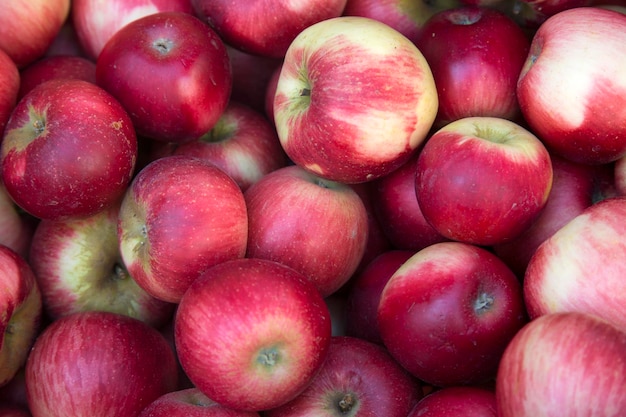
[(319, 208)]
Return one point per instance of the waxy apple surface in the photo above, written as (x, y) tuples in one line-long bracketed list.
[(457, 401), (354, 99), (190, 402)]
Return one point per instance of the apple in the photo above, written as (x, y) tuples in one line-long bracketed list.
[(398, 211), (28, 27), (98, 363), (9, 87), (482, 180), (171, 72), (580, 267), (69, 149), (264, 27), (354, 99), (457, 401), (190, 402), (358, 378), (572, 88), (476, 54), (563, 364), (243, 143), (20, 312), (96, 21), (179, 216), (448, 313), (78, 266), (365, 289), (407, 17), (316, 226), (252, 333), (55, 67)]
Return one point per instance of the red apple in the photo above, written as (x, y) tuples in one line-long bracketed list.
[(179, 216), (448, 313), (358, 378), (476, 54), (171, 72), (56, 67), (69, 149), (314, 225), (20, 312), (28, 27), (457, 401), (79, 267), (190, 402), (572, 89), (98, 363), (364, 292), (264, 27), (9, 87), (482, 180), (251, 333), (243, 143), (563, 364), (354, 99), (580, 267), (95, 21)]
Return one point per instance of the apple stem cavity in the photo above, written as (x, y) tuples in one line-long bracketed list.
[(163, 45), (346, 403), (268, 357), (483, 303)]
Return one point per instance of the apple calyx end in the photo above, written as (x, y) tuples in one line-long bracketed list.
[(483, 303)]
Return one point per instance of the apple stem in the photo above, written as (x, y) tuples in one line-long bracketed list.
[(305, 92), (483, 302), (346, 403)]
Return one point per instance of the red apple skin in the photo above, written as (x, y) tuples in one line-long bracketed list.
[(345, 58), (98, 363), (316, 226), (9, 87), (171, 72), (243, 143), (448, 313), (580, 267), (264, 27), (457, 401), (364, 293), (55, 67), (482, 180), (398, 211), (80, 130), (190, 402), (95, 22), (27, 28), (20, 312), (582, 352), (251, 333), (476, 54), (358, 378), (179, 216), (577, 121)]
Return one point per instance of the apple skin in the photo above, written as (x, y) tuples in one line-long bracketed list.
[(179, 216), (358, 378), (572, 107), (365, 289), (563, 364), (20, 312), (190, 402), (457, 401), (98, 363), (367, 81), (80, 130), (251, 333), (264, 27), (448, 313), (27, 27), (55, 67), (316, 226), (78, 266), (476, 54), (171, 72), (482, 180), (243, 143), (9, 87), (95, 21), (580, 268)]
